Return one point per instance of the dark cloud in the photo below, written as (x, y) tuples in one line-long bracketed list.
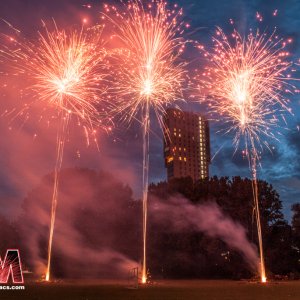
[(293, 139)]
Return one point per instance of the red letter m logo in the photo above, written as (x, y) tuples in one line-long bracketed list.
[(11, 265)]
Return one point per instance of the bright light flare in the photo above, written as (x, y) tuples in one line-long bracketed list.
[(144, 279)]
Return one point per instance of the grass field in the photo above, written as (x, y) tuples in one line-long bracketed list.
[(162, 290)]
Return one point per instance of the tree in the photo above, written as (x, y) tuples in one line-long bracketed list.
[(296, 224), (296, 232), (98, 228), (235, 197)]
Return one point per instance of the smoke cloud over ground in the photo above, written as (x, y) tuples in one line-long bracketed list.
[(182, 216), (91, 237), (98, 226)]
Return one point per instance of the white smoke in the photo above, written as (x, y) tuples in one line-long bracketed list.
[(181, 215)]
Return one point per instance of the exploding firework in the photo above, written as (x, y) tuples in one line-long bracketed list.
[(148, 73), (65, 71), (247, 82)]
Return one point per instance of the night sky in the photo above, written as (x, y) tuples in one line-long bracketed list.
[(25, 158)]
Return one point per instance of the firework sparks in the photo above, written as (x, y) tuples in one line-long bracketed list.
[(246, 80), (148, 74), (66, 71)]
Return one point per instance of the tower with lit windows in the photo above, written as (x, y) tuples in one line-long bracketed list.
[(187, 145)]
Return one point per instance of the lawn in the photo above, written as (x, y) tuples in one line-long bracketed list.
[(162, 290)]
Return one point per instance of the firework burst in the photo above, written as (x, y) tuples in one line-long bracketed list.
[(247, 82), (65, 71), (148, 70)]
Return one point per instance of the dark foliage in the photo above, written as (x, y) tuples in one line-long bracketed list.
[(195, 255), (102, 211)]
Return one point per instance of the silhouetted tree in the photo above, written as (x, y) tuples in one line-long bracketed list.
[(296, 224), (235, 197), (99, 212), (296, 232)]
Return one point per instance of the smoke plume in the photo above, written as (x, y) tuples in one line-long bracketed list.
[(98, 226), (180, 215)]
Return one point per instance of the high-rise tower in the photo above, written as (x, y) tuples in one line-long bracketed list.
[(187, 145)]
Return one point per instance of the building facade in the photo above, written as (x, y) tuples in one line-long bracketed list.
[(186, 145)]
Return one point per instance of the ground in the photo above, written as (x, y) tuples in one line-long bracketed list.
[(162, 290)]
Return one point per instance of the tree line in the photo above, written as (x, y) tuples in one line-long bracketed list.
[(101, 213)]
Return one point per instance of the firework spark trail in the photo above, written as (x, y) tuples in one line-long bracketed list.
[(60, 144), (148, 73), (246, 80), (65, 71), (146, 141), (258, 223)]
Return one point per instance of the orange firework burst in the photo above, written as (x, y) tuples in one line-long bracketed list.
[(148, 73), (66, 71), (247, 80)]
